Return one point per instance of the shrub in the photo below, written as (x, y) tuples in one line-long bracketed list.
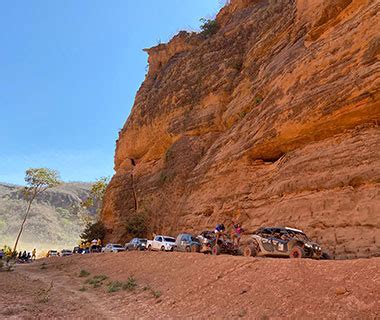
[(209, 27), (96, 281), (130, 285), (83, 288), (156, 293), (84, 273), (114, 286), (101, 277), (258, 99), (137, 225)]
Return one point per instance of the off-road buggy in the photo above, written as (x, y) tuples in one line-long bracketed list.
[(209, 245), (281, 242)]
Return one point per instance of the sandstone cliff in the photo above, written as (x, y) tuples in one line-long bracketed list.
[(273, 120)]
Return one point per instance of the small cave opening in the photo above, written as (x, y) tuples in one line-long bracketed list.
[(270, 158), (274, 158), (133, 162)]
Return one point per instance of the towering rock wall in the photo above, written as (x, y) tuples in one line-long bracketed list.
[(273, 120)]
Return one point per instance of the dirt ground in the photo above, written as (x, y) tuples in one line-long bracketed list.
[(191, 286)]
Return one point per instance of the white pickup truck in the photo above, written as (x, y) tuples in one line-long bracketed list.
[(163, 243)]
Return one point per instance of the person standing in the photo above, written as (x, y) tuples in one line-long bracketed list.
[(237, 232), (34, 254)]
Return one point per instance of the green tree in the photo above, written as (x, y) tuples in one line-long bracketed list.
[(38, 180), (209, 27), (137, 225), (93, 231), (97, 192)]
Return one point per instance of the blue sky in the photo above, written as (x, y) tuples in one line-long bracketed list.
[(69, 72)]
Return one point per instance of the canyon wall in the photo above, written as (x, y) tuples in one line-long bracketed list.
[(272, 120)]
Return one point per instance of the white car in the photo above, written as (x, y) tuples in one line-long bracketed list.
[(52, 253), (163, 243), (112, 247)]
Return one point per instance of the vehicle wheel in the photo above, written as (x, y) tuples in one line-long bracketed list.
[(297, 253), (149, 248), (216, 250), (188, 249), (249, 251), (194, 249), (162, 248)]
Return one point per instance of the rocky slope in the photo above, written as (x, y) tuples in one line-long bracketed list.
[(54, 221), (273, 120)]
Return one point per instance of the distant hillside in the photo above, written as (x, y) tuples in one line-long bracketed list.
[(54, 221)]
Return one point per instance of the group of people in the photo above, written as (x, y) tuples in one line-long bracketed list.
[(94, 246), (27, 257), (21, 256), (236, 232)]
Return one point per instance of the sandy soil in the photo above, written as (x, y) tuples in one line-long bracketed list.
[(192, 286)]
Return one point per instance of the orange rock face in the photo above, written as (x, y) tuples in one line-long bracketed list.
[(273, 120)]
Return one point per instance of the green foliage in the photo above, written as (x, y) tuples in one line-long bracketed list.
[(83, 288), (84, 273), (137, 225), (97, 192), (42, 178), (209, 27), (156, 293), (96, 281), (130, 285), (93, 231), (101, 277), (258, 99), (114, 286), (37, 180)]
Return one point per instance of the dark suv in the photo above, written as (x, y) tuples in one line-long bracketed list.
[(282, 242), (136, 244), (186, 242)]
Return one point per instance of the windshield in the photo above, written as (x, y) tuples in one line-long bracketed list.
[(299, 235), (169, 239)]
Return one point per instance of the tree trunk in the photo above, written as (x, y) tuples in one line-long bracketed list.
[(23, 222), (134, 192)]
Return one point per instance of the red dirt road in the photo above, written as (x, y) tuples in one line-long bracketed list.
[(192, 286)]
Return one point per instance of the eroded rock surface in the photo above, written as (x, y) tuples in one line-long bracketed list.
[(273, 120)]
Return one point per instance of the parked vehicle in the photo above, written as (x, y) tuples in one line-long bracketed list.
[(136, 244), (112, 247), (224, 245), (207, 239), (76, 250), (95, 248), (52, 253), (1, 254), (282, 242), (66, 252), (163, 243), (186, 242)]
